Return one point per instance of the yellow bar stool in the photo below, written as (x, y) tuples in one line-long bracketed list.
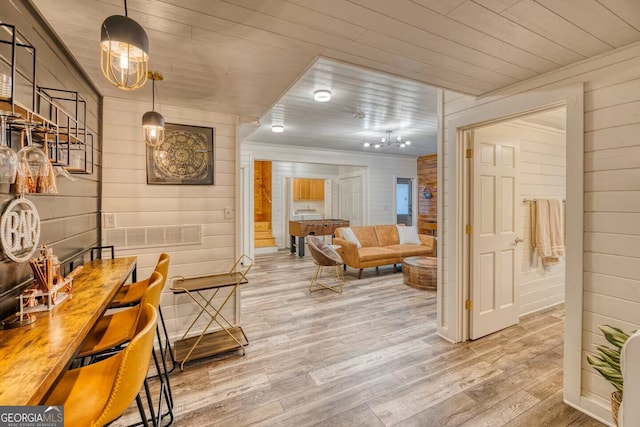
[(132, 294), (97, 394), (114, 330)]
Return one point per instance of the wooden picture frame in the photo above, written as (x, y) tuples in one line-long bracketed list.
[(185, 157)]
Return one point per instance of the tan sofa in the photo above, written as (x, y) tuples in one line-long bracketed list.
[(380, 245)]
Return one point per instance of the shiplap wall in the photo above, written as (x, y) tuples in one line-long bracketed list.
[(70, 218), (136, 204), (381, 172), (611, 287), (542, 175)]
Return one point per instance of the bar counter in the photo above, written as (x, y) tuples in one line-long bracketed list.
[(33, 357)]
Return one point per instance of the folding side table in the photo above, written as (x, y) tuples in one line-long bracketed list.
[(229, 337)]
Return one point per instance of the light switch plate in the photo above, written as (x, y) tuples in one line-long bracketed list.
[(228, 212), (109, 220)]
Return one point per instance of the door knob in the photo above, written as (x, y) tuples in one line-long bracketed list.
[(516, 241)]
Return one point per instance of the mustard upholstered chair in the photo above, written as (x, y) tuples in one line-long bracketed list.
[(325, 255), (132, 294), (113, 330), (97, 394)]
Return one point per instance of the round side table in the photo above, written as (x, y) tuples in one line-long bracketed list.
[(420, 272)]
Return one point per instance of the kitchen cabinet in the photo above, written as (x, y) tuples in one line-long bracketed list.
[(306, 189)]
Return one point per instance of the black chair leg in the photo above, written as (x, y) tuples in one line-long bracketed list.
[(165, 391), (167, 344), (154, 420), (143, 414)]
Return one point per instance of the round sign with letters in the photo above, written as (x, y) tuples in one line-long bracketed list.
[(20, 230)]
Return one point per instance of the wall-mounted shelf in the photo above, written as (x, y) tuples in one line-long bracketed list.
[(60, 115)]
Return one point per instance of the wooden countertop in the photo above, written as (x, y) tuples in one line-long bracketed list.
[(33, 357)]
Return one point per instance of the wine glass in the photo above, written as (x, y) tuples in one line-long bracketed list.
[(8, 157), (33, 163)]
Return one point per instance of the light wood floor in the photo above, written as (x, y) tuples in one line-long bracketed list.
[(370, 357)]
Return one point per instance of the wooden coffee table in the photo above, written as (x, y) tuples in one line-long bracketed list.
[(420, 272)]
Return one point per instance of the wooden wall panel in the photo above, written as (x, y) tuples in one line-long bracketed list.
[(70, 218), (427, 184)]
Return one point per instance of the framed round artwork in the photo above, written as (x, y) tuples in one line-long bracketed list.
[(184, 157)]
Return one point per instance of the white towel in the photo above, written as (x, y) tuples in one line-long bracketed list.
[(549, 234)]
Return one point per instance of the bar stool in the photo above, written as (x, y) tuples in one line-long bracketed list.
[(114, 330), (97, 394), (132, 294)]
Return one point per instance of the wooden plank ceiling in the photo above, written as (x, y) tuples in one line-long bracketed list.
[(242, 56)]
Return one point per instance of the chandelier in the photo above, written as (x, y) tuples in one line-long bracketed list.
[(388, 141)]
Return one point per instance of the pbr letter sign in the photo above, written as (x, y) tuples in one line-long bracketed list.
[(20, 230)]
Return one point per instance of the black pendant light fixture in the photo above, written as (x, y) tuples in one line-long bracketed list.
[(124, 51), (152, 121)]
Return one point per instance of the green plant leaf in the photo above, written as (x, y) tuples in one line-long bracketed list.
[(606, 361), (614, 335)]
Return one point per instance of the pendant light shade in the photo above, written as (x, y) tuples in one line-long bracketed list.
[(124, 52), (152, 121), (153, 125)]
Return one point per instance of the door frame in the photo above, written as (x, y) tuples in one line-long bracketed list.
[(456, 251), (412, 201)]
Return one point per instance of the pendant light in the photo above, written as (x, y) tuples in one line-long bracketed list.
[(152, 121), (124, 51)]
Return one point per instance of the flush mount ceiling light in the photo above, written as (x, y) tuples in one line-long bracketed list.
[(322, 95), (388, 141), (277, 128), (124, 51), (152, 121)]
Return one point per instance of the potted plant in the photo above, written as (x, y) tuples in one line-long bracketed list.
[(607, 362)]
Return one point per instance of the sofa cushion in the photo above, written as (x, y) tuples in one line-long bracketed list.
[(387, 235), (408, 235), (408, 250), (366, 235), (376, 253), (347, 234)]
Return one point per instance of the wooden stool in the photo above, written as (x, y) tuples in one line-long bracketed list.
[(420, 272)]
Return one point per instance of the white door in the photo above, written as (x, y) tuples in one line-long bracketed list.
[(495, 249), (351, 200)]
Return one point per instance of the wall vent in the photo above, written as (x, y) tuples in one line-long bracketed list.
[(141, 237)]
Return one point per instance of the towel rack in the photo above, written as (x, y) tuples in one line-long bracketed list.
[(525, 201)]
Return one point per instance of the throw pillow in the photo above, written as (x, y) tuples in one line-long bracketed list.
[(348, 235), (408, 235)]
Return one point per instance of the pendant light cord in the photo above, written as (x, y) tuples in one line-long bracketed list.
[(126, 13), (153, 94)]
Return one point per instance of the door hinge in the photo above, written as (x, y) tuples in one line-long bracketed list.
[(469, 153), (468, 229), (468, 305)]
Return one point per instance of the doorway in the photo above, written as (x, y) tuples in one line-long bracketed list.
[(512, 164), (352, 200), (404, 205)]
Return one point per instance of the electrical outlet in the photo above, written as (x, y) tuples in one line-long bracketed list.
[(109, 220), (228, 212)]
